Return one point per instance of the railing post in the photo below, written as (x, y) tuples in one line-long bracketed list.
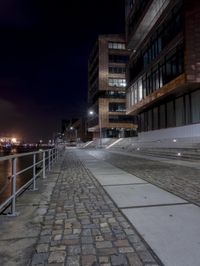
[(34, 172), (43, 165), (52, 158), (56, 154), (14, 170), (49, 160)]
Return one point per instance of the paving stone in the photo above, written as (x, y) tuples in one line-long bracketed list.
[(86, 232), (57, 256), (126, 250), (87, 240), (145, 257), (88, 260), (69, 242), (57, 247), (122, 243), (45, 239), (107, 251), (99, 238), (73, 250), (76, 231), (134, 260), (39, 259), (57, 237), (119, 260), (102, 225), (103, 259), (57, 232), (73, 261), (104, 244), (88, 250), (96, 232), (42, 248), (68, 225)]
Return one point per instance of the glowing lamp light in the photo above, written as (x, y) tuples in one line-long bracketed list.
[(174, 140), (91, 112), (179, 154), (14, 140)]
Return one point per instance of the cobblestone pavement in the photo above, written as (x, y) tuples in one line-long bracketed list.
[(181, 181), (83, 226)]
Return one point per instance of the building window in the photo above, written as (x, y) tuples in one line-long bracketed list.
[(118, 58), (121, 119), (116, 82), (162, 116), (150, 125), (187, 109), (117, 70), (195, 106), (113, 94), (117, 107), (116, 45), (168, 69), (170, 114), (180, 112), (155, 118)]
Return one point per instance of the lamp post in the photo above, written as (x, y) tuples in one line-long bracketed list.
[(92, 113), (73, 128)]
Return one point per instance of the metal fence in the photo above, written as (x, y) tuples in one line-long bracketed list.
[(42, 161)]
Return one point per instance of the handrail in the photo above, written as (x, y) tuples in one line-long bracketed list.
[(48, 158)]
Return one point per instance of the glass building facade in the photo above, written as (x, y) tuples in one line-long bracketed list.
[(163, 83)]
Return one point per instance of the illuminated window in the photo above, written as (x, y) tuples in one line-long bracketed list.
[(117, 82), (116, 45), (117, 70)]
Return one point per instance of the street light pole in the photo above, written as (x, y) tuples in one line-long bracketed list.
[(100, 127), (100, 130)]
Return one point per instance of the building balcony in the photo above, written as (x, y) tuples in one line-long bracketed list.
[(175, 86)]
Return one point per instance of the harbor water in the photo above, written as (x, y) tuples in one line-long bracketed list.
[(6, 173)]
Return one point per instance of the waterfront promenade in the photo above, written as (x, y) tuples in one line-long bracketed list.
[(91, 212)]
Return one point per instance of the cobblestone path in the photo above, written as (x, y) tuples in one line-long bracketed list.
[(83, 226), (181, 181)]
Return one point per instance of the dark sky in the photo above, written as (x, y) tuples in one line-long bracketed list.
[(44, 47)]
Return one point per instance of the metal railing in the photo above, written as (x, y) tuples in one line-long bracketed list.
[(42, 161)]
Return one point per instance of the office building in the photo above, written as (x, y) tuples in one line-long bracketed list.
[(163, 76), (107, 88)]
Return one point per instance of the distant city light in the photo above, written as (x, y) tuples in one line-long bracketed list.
[(14, 140), (179, 154), (174, 140)]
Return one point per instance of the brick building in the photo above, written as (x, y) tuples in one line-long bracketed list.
[(163, 78), (107, 88)]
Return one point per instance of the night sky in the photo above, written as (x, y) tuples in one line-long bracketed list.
[(44, 48)]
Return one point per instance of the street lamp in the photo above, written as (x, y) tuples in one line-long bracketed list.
[(92, 113)]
